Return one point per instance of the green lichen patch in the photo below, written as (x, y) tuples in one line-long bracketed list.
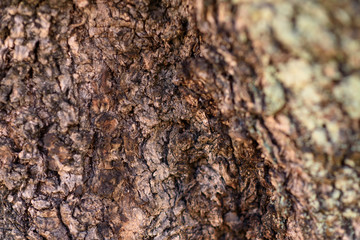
[(348, 94), (274, 92)]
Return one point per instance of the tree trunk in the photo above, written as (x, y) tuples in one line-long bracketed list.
[(169, 119)]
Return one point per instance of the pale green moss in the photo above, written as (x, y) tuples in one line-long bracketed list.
[(295, 74), (315, 168), (336, 194), (283, 27), (330, 203), (342, 16), (326, 74), (348, 93), (351, 47), (333, 130), (350, 214), (348, 183), (274, 92), (350, 162), (306, 117), (307, 49), (313, 27), (310, 95), (314, 202), (350, 197)]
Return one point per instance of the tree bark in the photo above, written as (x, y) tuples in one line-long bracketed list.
[(169, 119)]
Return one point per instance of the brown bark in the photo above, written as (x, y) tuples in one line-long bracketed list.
[(167, 119)]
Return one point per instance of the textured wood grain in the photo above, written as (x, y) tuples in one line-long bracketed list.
[(168, 119)]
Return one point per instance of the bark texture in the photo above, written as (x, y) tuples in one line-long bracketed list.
[(169, 119)]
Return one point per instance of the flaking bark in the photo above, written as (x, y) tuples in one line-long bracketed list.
[(167, 119)]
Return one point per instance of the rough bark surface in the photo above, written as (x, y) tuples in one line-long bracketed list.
[(169, 119)]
